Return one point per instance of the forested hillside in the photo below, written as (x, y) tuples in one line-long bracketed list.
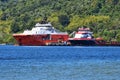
[(102, 16)]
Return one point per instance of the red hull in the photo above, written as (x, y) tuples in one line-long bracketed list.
[(40, 40)]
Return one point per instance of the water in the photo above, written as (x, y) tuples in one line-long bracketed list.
[(59, 63)]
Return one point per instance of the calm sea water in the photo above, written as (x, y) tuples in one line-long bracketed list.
[(59, 63)]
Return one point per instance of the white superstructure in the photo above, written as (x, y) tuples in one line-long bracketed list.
[(45, 28), (84, 33)]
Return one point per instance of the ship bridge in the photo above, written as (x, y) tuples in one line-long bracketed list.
[(43, 25)]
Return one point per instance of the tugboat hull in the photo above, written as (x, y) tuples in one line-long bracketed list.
[(82, 42)]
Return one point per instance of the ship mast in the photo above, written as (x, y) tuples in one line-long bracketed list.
[(44, 21)]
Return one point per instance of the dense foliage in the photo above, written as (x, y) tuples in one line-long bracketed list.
[(102, 16)]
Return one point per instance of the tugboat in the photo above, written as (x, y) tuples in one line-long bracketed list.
[(83, 37), (42, 34)]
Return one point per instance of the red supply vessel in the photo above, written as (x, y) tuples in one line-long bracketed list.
[(42, 34)]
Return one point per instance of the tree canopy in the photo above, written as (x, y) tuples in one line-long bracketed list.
[(102, 16)]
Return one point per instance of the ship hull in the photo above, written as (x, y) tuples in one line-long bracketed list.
[(82, 42), (91, 42), (40, 40)]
